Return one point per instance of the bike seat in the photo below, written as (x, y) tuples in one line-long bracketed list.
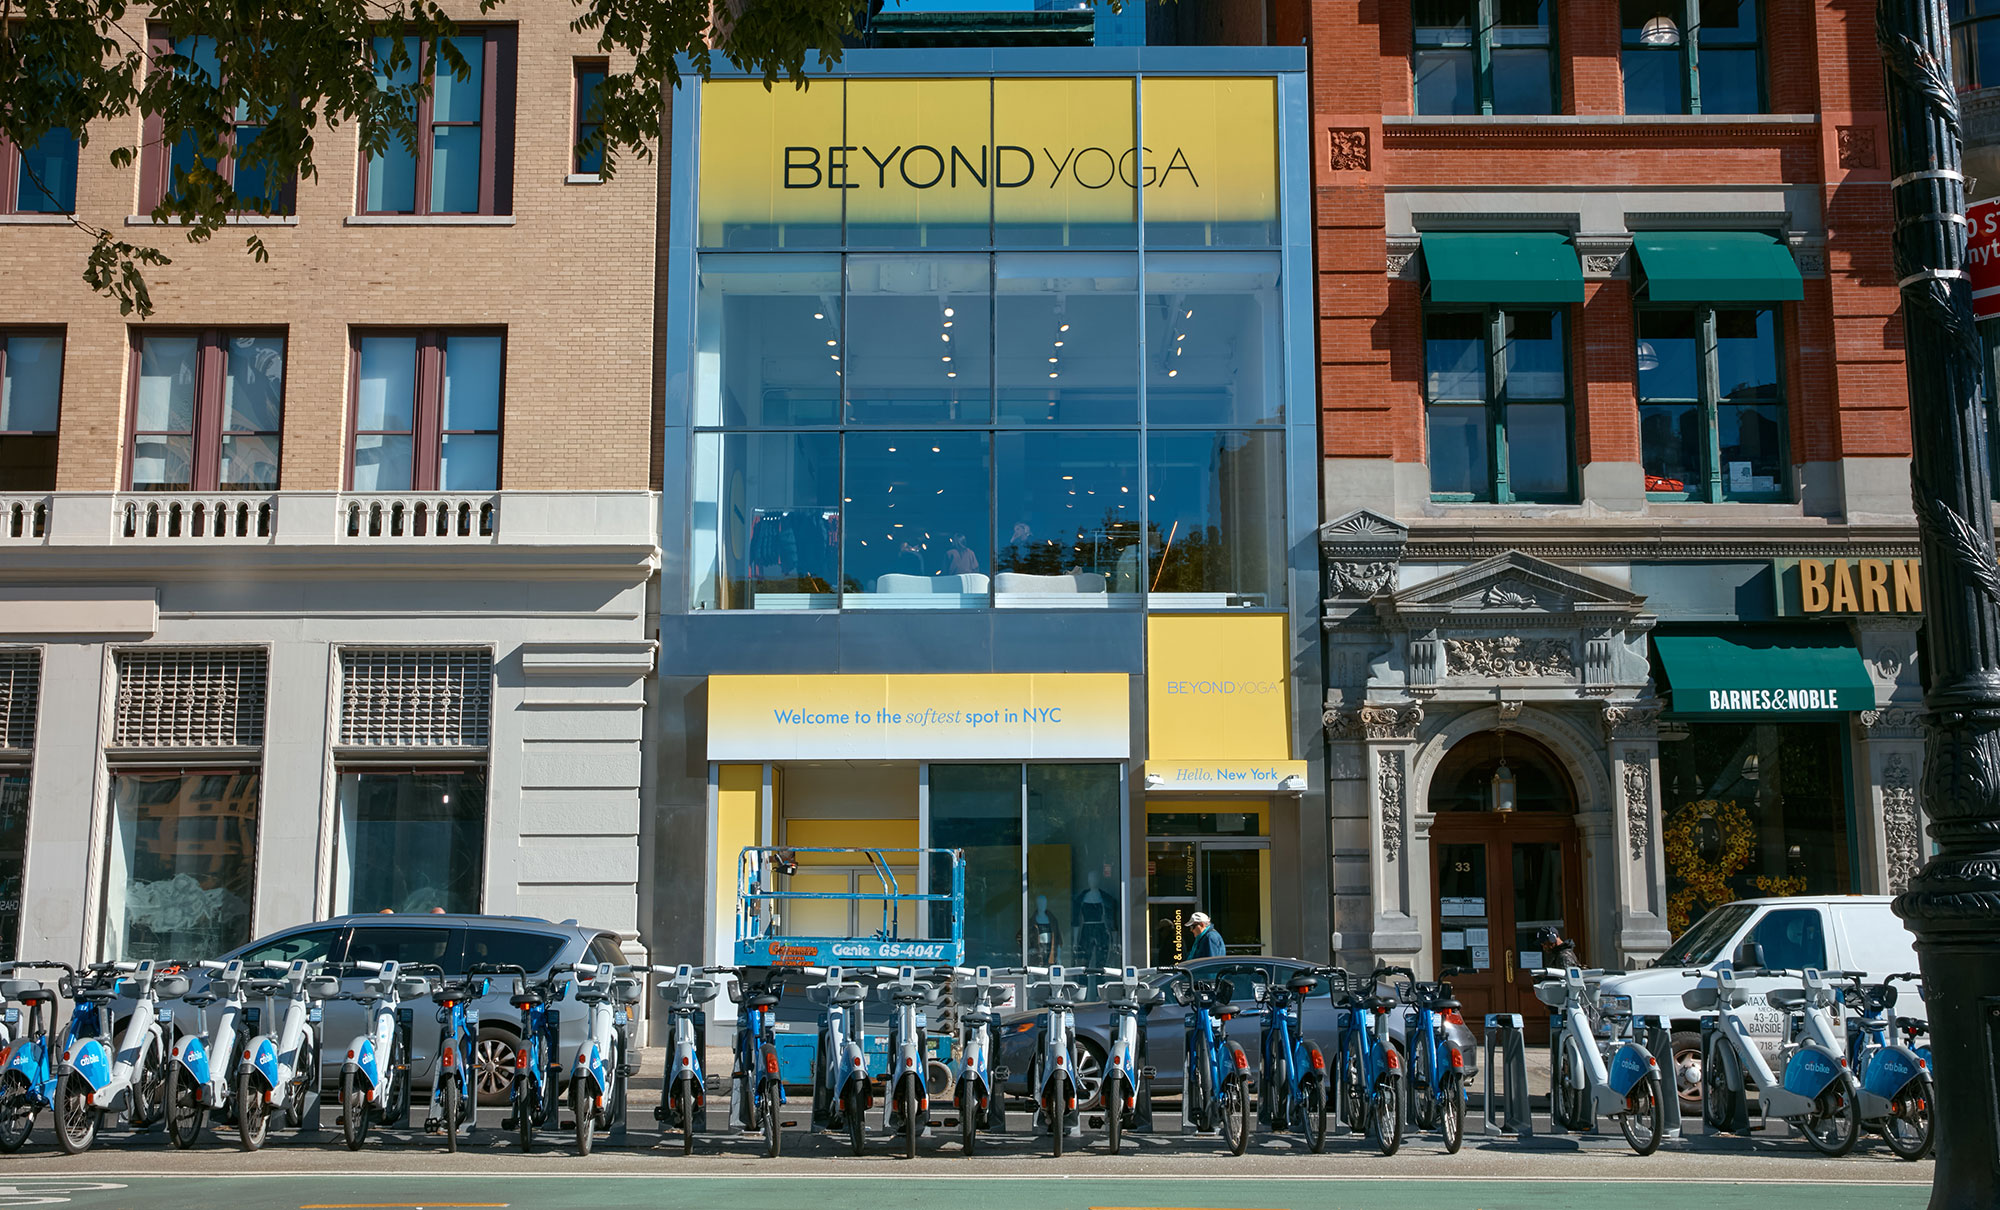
[(202, 1001), (1303, 985), (755, 1000), (38, 995), (1786, 999), (1911, 1027), (526, 1000)]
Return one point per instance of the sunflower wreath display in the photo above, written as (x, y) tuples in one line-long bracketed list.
[(1705, 881)]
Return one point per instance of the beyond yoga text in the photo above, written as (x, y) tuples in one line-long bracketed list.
[(922, 166)]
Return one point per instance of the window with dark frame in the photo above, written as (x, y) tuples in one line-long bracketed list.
[(1975, 43), (1484, 57), (1692, 56), (39, 179), (463, 159), (1497, 405), (427, 410), (31, 373), (163, 170), (590, 75), (1712, 421), (207, 410)]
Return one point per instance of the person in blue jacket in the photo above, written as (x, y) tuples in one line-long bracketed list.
[(1207, 942)]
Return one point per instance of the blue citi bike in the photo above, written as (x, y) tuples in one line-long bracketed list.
[(1437, 1066), (760, 1091), (1897, 1101), (1370, 1085), (451, 1080), (684, 1103), (27, 1066), (1215, 1082), (1293, 1094), (533, 1094)]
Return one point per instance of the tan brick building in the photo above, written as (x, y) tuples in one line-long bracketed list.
[(363, 533)]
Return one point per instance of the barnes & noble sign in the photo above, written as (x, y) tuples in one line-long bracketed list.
[(1819, 587), (788, 167)]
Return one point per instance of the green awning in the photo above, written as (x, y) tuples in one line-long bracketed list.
[(1717, 266), (1760, 671), (1502, 267)]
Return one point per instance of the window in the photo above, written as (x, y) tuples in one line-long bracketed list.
[(1711, 404), (1692, 56), (170, 892), (1484, 57), (1215, 533), (164, 171), (1975, 43), (207, 410), (31, 367), (1792, 939), (40, 179), (463, 159), (313, 945), (1068, 519), (411, 841), (919, 520), (512, 947), (403, 946), (20, 698), (590, 75), (605, 949), (1496, 389), (427, 409)]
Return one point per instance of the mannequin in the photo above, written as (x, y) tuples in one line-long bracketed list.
[(1096, 919), (1043, 934)]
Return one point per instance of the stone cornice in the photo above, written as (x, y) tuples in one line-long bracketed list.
[(1662, 541)]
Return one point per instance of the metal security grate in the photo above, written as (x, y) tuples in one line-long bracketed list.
[(190, 699), (415, 698), (20, 691)]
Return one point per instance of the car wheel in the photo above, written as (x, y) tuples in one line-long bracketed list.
[(493, 1066), (1089, 1074), (1686, 1045)]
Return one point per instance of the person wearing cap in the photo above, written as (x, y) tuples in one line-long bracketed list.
[(1207, 942)]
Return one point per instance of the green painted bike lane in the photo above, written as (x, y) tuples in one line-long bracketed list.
[(405, 1191)]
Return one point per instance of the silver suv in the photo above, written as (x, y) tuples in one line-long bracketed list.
[(455, 943)]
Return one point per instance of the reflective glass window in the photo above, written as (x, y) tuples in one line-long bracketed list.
[(1692, 56), (411, 841), (919, 340), (1498, 415), (44, 175), (1068, 520), (977, 809), (31, 365), (1216, 529), (427, 411), (183, 860), (1712, 422), (1214, 339), (1066, 337), (919, 522), (1073, 833), (777, 507), (768, 341)]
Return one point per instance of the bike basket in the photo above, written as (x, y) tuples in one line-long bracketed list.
[(1555, 995), (413, 988), (628, 991), (14, 989), (319, 987), (170, 987)]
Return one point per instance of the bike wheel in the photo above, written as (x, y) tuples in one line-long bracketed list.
[(1423, 1112), (527, 1110), (1114, 1112), (1451, 1114), (353, 1110), (1385, 1116), (586, 1121), (448, 1106), (1644, 1119), (253, 1116), (1566, 1101), (856, 1111), (774, 1129), (1352, 1093), (1909, 1129), (302, 1098), (913, 1117), (149, 1085), (76, 1120), (1236, 1114), (1279, 1088), (17, 1111), (1052, 1112), (683, 1109), (968, 1119), (397, 1103), (1718, 1099), (1316, 1109), (183, 1103), (1835, 1121)]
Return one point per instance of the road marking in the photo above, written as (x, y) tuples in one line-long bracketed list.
[(30, 1191), (405, 1206), (1252, 1178)]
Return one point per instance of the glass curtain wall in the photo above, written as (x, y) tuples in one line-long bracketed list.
[(987, 394), (1043, 861)]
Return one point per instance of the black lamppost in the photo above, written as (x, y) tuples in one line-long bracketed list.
[(1953, 902)]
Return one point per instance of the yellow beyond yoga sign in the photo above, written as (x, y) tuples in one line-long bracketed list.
[(963, 151), (1008, 716)]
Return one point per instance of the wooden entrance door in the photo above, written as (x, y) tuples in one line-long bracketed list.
[(1498, 879)]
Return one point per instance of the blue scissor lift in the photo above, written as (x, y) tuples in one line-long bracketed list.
[(761, 942)]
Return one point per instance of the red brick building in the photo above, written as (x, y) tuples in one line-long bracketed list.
[(1616, 488)]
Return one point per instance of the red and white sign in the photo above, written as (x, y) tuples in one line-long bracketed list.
[(1982, 257)]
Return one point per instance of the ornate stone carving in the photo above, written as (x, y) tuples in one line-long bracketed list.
[(1857, 146), (1893, 722), (1901, 835), (1347, 148), (1888, 662), (1509, 711), (1389, 788), (1508, 596), (1395, 720), (1638, 801), (1399, 261), (1508, 656), (1359, 579), (1631, 720), (1601, 264), (1342, 722), (1811, 261)]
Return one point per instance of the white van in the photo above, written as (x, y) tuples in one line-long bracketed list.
[(1823, 932)]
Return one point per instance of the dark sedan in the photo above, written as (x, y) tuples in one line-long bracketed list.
[(1166, 1040)]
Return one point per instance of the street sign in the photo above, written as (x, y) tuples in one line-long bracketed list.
[(1982, 257)]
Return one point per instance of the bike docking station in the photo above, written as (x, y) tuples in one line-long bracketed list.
[(1506, 1037)]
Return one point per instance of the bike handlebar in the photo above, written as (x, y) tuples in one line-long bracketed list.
[(1382, 973)]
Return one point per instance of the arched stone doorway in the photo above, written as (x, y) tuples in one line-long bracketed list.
[(1505, 862)]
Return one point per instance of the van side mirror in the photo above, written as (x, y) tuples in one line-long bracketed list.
[(1749, 956)]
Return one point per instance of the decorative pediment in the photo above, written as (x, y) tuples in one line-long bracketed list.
[(1517, 589), (1364, 527), (1361, 551)]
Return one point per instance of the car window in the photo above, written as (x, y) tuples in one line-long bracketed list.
[(1792, 939), (407, 946), (310, 944), (510, 947), (605, 949), (1704, 943)]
